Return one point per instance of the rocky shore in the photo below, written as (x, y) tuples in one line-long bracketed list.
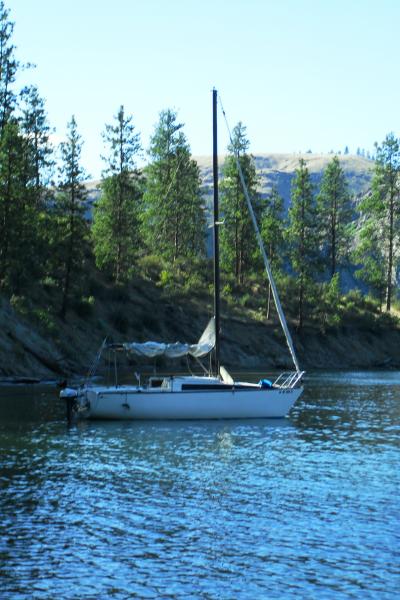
[(28, 353)]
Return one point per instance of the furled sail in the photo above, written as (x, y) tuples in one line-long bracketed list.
[(174, 350)]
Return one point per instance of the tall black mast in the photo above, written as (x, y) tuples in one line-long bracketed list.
[(216, 234)]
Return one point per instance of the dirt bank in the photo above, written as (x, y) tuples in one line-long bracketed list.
[(27, 349)]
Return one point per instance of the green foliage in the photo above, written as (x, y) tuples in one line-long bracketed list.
[(115, 228), (302, 237), (46, 259), (20, 304), (173, 217), (368, 254), (150, 267), (272, 229), (328, 313), (45, 319), (19, 212), (238, 242), (8, 68), (334, 213), (380, 231), (36, 131), (166, 278), (68, 230)]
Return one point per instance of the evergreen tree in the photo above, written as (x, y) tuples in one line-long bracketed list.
[(381, 212), (272, 232), (272, 228), (173, 219), (8, 67), (116, 215), (302, 236), (238, 242), (20, 264), (36, 130), (368, 254), (39, 179), (334, 215), (70, 235), (12, 197)]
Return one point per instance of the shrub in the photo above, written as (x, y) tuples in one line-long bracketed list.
[(150, 266), (20, 304), (45, 320), (166, 278)]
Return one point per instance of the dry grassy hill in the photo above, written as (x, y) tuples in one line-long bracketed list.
[(279, 169)]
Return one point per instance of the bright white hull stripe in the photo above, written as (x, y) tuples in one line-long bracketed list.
[(136, 403)]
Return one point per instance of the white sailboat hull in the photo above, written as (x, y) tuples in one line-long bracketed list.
[(142, 403)]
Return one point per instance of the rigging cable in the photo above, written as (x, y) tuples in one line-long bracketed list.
[(275, 295)]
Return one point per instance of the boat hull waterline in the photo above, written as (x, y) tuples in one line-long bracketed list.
[(131, 403)]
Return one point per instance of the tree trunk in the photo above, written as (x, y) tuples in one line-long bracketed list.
[(390, 257), (301, 303)]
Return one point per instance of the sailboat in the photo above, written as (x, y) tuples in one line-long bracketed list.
[(214, 395)]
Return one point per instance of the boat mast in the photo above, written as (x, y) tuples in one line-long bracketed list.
[(216, 236)]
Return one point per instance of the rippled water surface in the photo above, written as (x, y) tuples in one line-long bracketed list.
[(306, 507)]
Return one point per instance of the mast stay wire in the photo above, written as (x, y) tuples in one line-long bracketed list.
[(275, 295)]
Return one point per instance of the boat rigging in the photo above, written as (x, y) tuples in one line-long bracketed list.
[(214, 395)]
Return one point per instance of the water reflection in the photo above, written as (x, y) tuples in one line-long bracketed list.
[(300, 507)]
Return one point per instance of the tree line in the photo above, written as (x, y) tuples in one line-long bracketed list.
[(324, 232), (157, 213)]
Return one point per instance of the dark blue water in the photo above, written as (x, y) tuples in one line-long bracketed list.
[(306, 507)]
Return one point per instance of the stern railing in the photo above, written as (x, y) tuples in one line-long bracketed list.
[(288, 380)]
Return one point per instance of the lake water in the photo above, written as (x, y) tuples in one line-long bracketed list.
[(301, 508)]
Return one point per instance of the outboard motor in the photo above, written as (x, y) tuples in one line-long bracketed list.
[(69, 395)]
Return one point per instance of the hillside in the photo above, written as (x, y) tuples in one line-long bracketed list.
[(35, 343), (279, 169)]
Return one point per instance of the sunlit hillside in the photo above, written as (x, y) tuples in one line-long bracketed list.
[(279, 169)]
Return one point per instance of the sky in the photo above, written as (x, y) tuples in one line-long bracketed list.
[(300, 74)]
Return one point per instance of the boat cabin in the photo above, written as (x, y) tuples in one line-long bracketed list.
[(193, 383), (183, 383)]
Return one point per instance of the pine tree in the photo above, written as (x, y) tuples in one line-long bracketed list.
[(8, 67), (173, 220), (36, 130), (334, 215), (368, 255), (12, 197), (272, 232), (381, 212), (116, 216), (238, 242), (302, 236), (70, 235)]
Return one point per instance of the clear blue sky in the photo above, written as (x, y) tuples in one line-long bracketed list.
[(300, 74)]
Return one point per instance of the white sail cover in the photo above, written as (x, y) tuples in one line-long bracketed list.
[(174, 350)]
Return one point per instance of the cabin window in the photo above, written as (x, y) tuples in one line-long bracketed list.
[(156, 382)]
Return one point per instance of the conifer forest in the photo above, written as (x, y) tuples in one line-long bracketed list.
[(58, 250)]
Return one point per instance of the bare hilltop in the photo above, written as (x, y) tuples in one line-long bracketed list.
[(278, 170)]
